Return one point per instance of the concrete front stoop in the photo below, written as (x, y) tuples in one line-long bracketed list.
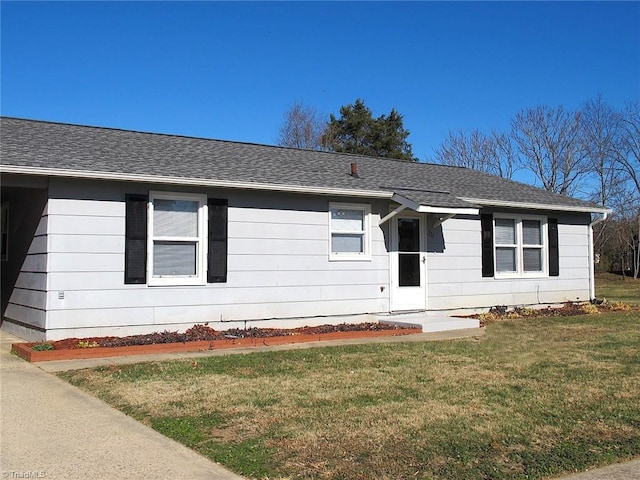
[(430, 322)]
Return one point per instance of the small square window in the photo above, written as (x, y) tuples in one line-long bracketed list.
[(349, 231)]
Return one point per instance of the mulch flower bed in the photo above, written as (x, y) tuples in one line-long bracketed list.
[(203, 337), (198, 337), (569, 309)]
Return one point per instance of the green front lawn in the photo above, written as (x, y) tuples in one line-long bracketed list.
[(534, 398), (618, 289)]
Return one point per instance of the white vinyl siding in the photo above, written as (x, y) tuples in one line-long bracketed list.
[(176, 239), (349, 232), (454, 268), (278, 267)]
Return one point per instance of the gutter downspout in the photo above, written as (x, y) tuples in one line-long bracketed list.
[(592, 279)]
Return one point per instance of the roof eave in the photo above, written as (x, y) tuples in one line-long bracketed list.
[(127, 177), (536, 206)]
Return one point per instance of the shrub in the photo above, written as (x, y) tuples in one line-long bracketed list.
[(619, 307), (200, 332), (589, 308), (486, 318)]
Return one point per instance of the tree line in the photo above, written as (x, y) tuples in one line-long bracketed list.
[(591, 153), (354, 131)]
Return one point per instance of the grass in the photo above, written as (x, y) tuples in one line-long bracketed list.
[(534, 398), (616, 288)]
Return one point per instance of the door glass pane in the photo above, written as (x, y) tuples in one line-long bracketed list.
[(408, 235), (409, 269), (175, 218), (347, 243), (174, 258), (505, 259)]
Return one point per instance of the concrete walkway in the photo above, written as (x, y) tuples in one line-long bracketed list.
[(49, 429), (619, 471)]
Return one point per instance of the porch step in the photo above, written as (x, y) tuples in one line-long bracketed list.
[(430, 322)]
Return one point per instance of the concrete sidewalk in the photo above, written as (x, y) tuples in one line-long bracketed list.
[(50, 429), (619, 471)]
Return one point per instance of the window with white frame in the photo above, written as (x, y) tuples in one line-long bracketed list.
[(177, 238), (349, 231), (520, 245)]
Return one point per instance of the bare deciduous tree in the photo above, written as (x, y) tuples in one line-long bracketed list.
[(600, 139), (548, 140), (302, 127), (491, 154), (629, 159), (601, 142), (593, 153), (624, 244)]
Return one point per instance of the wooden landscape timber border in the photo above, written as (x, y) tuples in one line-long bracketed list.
[(24, 350)]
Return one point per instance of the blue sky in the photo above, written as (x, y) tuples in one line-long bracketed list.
[(231, 70)]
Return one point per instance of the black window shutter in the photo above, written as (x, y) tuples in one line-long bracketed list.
[(554, 257), (217, 255), (135, 247), (486, 223)]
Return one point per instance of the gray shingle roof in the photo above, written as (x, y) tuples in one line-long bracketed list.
[(55, 146)]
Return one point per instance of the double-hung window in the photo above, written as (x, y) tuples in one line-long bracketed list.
[(520, 245), (349, 232), (177, 239)]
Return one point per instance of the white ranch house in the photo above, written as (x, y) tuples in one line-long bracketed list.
[(113, 232)]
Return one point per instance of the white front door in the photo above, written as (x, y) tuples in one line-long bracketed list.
[(408, 263)]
